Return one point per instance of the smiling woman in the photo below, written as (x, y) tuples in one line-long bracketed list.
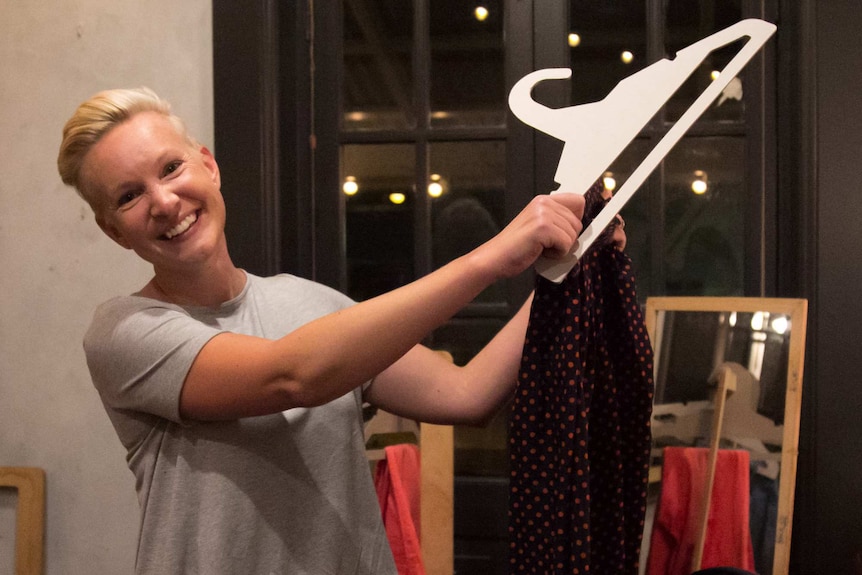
[(238, 397), (149, 184)]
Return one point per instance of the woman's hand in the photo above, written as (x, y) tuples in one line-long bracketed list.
[(548, 226), (619, 237)]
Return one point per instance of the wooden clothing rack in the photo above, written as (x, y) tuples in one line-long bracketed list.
[(437, 490), (726, 386)]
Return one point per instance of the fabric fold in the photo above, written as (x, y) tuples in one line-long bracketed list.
[(579, 433), (397, 480), (675, 530)]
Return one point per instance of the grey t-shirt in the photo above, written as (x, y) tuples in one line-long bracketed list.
[(283, 493)]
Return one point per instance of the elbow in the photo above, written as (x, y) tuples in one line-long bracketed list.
[(305, 391), (477, 416), (482, 419), (292, 393), (487, 413)]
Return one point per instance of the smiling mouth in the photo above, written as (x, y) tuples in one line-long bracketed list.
[(182, 226)]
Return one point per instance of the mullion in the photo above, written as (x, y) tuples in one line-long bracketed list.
[(422, 89)]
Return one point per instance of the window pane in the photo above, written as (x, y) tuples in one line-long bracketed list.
[(479, 451), (467, 80), (705, 233), (379, 231), (378, 70), (606, 34), (688, 22), (471, 208), (636, 213)]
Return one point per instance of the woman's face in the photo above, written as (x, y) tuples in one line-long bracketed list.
[(157, 193)]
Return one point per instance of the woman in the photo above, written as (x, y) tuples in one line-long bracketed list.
[(238, 397)]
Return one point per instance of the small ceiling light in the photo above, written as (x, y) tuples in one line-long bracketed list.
[(350, 187), (435, 189), (481, 13), (574, 40), (700, 183), (714, 75), (397, 198), (437, 186), (609, 182), (627, 57)]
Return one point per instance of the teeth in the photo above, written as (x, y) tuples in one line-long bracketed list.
[(182, 226)]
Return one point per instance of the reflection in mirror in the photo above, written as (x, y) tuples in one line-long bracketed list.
[(728, 375)]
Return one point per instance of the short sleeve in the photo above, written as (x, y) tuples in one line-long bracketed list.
[(139, 352)]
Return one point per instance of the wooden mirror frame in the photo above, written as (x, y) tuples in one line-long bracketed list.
[(30, 522), (797, 311)]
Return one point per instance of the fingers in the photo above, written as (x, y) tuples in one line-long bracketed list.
[(565, 213), (619, 236), (573, 202), (548, 225)]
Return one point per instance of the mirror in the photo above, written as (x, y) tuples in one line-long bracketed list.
[(728, 375)]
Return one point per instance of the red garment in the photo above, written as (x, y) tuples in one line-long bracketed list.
[(674, 535), (397, 481)]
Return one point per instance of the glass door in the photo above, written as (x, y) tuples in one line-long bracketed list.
[(418, 161)]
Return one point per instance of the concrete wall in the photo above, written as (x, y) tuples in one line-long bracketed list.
[(55, 264)]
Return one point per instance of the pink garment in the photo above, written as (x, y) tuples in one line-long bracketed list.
[(675, 530), (397, 480)]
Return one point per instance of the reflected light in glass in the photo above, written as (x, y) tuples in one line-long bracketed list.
[(437, 186), (780, 325), (732, 319), (627, 57), (435, 189), (699, 185), (481, 13), (609, 182), (350, 187), (397, 198), (758, 320), (574, 40)]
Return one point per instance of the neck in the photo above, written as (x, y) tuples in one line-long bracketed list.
[(209, 288)]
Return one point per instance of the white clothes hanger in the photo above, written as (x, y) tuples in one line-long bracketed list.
[(612, 123)]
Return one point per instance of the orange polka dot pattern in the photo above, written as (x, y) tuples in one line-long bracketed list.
[(579, 433)]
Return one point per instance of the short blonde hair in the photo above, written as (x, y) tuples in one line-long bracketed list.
[(97, 116)]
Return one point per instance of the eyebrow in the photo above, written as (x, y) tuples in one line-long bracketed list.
[(162, 159)]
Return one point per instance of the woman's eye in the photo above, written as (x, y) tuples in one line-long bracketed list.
[(172, 167), (127, 198)]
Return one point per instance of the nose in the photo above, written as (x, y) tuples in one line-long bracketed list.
[(163, 202)]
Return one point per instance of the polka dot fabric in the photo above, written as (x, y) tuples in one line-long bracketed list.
[(579, 433)]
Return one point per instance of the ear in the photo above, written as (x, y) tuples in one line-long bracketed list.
[(111, 231), (211, 164)]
